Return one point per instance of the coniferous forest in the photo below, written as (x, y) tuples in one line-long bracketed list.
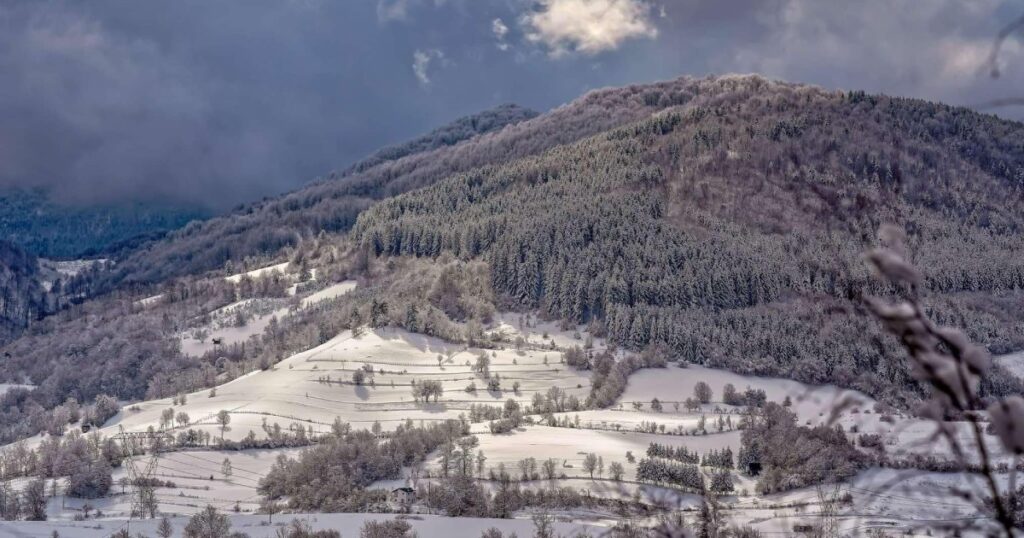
[(731, 230)]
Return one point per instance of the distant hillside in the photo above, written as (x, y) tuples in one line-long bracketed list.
[(332, 206), (22, 297), (461, 129), (52, 230)]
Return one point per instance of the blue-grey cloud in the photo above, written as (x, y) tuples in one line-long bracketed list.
[(222, 102)]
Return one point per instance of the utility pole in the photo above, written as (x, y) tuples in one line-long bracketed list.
[(140, 473)]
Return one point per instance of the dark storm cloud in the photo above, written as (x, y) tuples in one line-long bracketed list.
[(221, 102)]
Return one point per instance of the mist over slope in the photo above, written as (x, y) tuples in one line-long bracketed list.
[(52, 230)]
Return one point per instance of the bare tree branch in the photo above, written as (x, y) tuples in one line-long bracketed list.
[(993, 57)]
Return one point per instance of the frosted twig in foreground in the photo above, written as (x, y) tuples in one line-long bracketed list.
[(946, 361)]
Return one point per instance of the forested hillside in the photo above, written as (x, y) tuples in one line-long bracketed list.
[(461, 129), (332, 205), (22, 297), (719, 221), (731, 229), (51, 230)]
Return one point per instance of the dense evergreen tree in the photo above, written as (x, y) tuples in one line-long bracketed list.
[(668, 472), (679, 453)]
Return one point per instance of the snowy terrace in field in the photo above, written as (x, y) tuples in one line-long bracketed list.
[(856, 412), (192, 480), (896, 501), (570, 445), (674, 385), (313, 387)]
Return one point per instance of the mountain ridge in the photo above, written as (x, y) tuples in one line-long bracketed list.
[(263, 228), (725, 231)]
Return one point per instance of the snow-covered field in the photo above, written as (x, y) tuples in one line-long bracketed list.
[(426, 526), (313, 388), (568, 446), (897, 501), (256, 273), (226, 334), (330, 292), (197, 480), (900, 502), (4, 387), (902, 434), (627, 419), (1013, 362), (675, 384), (535, 331)]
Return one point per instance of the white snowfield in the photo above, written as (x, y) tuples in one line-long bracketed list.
[(150, 301), (540, 332), (314, 387), (227, 334), (902, 434), (330, 292), (1013, 362), (885, 499), (257, 273), (256, 526), (197, 480), (569, 446), (4, 387), (627, 419), (675, 384)]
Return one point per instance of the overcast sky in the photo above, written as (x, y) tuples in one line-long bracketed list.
[(219, 102)]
